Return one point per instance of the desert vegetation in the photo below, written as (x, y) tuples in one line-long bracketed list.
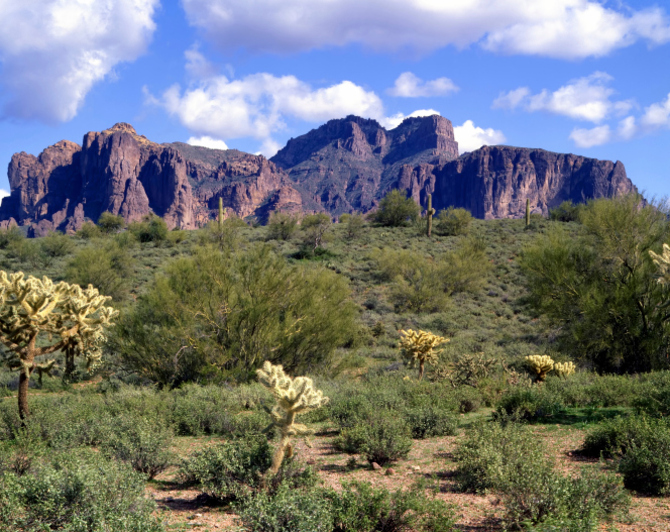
[(259, 378)]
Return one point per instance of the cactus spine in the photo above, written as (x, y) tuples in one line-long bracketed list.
[(294, 396), (527, 212), (419, 346), (429, 214)]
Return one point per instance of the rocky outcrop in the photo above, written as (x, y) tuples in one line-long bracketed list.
[(345, 165), (495, 181)]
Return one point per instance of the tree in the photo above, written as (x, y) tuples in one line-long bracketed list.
[(152, 228), (395, 209), (38, 317), (109, 223), (598, 290), (315, 228), (282, 225), (454, 221)]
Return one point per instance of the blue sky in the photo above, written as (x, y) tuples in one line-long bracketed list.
[(579, 76)]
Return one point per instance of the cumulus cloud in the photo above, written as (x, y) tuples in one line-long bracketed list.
[(410, 86), (558, 28), (269, 148), (471, 137), (3, 193), (657, 115), (53, 51), (588, 98), (207, 142), (587, 138), (391, 122), (256, 105)]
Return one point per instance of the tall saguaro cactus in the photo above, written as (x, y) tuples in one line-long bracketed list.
[(527, 212), (429, 215), (419, 346), (62, 316), (294, 396), (221, 213)]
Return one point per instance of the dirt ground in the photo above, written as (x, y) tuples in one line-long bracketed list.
[(189, 510)]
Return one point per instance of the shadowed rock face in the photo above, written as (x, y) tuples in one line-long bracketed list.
[(345, 165)]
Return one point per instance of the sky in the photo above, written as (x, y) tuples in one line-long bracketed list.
[(580, 76)]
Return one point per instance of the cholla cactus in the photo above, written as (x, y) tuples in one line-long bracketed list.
[(540, 365), (294, 396), (59, 315), (564, 369), (662, 262), (419, 346)]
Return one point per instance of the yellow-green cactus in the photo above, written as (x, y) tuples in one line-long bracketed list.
[(540, 365), (294, 396), (60, 316), (564, 369), (419, 347)]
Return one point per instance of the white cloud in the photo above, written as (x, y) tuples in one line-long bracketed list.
[(471, 137), (587, 138), (588, 98), (207, 142), (395, 120), (53, 51), (269, 148), (255, 106), (657, 115), (410, 86), (3, 193), (197, 66), (556, 28), (627, 128)]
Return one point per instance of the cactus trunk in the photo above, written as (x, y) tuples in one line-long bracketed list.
[(421, 366), (527, 212), (429, 214), (220, 212)]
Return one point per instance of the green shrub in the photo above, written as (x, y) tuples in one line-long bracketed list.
[(281, 225), (530, 404), (88, 231), (56, 244), (109, 223), (396, 209), (226, 235), (361, 508), (9, 235), (78, 493), (26, 250), (142, 443), (565, 212), (453, 221), (353, 225), (238, 311), (382, 438), (288, 510), (428, 421), (105, 265), (152, 228), (316, 229)]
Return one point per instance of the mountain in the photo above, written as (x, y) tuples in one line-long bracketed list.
[(345, 165)]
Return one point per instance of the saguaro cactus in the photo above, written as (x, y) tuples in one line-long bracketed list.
[(221, 213), (527, 212), (540, 365), (419, 347), (62, 316), (429, 215), (294, 396)]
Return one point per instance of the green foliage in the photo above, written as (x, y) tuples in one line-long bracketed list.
[(228, 471), (152, 228), (453, 221), (427, 421), (599, 291), (281, 225), (530, 404), (382, 438), (105, 265), (510, 461), (566, 212), (396, 209), (88, 230), (359, 507), (77, 493), (56, 244), (225, 235), (316, 229), (142, 443), (9, 235), (353, 225), (425, 284), (25, 250), (109, 223), (212, 316)]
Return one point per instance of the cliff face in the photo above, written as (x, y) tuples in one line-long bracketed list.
[(343, 166), (494, 181)]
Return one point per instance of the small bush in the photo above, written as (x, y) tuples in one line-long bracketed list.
[(281, 225), (109, 223), (396, 209), (56, 244), (530, 404), (428, 421), (453, 221), (88, 230), (26, 250), (565, 212), (382, 438), (9, 235), (80, 493), (151, 229), (353, 225), (141, 443)]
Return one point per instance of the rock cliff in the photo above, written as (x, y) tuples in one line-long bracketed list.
[(343, 166)]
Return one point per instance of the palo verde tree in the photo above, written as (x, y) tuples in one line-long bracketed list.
[(396, 209), (38, 317)]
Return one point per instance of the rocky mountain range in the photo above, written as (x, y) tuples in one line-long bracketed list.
[(343, 166)]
